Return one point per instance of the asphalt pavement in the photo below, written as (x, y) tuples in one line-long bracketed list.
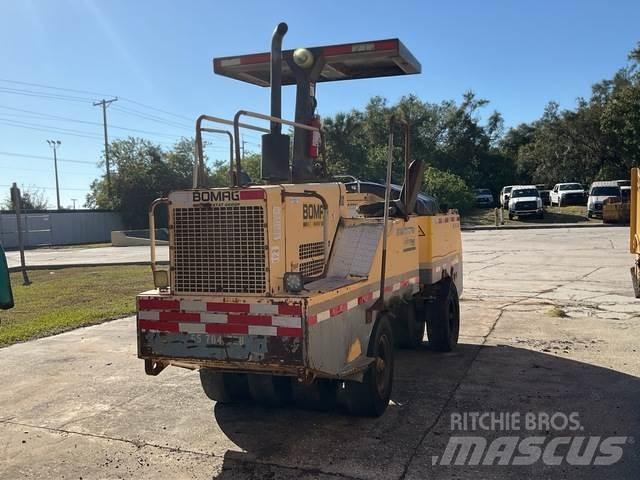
[(550, 329)]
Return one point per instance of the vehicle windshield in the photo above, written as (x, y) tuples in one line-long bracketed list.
[(571, 186), (524, 192), (605, 192), (624, 183), (483, 191)]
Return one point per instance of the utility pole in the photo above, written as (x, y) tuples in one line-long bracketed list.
[(55, 144), (243, 142), (74, 202), (104, 104)]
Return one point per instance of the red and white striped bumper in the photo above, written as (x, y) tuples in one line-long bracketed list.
[(176, 315)]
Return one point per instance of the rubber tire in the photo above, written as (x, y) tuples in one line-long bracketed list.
[(589, 214), (443, 317), (224, 387), (371, 396), (320, 395), (510, 216), (270, 390), (410, 327)]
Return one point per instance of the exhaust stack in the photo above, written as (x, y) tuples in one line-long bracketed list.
[(275, 145)]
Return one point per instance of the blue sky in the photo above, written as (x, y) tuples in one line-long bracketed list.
[(518, 55)]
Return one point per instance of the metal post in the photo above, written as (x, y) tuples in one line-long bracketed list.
[(15, 197)]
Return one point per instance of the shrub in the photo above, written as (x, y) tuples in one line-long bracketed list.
[(450, 189)]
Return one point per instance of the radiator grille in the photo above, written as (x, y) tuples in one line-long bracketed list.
[(312, 267), (219, 249), (309, 250)]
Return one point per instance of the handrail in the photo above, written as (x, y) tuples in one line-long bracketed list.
[(230, 135), (198, 169), (385, 221), (378, 305), (152, 228), (261, 116)]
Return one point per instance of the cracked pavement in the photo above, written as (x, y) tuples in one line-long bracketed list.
[(549, 324)]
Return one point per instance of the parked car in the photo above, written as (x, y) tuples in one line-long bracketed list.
[(599, 192), (525, 201), (484, 197), (425, 204), (504, 196), (545, 193), (564, 194)]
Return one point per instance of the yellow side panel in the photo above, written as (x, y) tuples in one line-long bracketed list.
[(439, 237), (634, 223)]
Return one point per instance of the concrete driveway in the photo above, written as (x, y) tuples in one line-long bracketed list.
[(78, 405), (85, 256)]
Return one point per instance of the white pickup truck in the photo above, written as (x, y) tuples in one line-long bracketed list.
[(525, 201), (564, 194)]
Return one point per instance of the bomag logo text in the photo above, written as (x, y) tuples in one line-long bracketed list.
[(311, 211), (217, 196)]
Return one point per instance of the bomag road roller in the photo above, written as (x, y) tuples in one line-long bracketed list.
[(294, 288)]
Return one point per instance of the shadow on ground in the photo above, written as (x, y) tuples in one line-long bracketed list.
[(429, 387)]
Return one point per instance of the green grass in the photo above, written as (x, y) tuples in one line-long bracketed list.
[(569, 214), (60, 300)]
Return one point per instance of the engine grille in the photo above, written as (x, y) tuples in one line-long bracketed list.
[(219, 249), (312, 268), (310, 250), (526, 205)]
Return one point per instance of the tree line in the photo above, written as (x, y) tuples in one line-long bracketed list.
[(599, 139)]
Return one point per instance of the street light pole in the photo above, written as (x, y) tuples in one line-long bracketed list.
[(55, 144)]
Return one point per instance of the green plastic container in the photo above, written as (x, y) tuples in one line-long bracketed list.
[(6, 296)]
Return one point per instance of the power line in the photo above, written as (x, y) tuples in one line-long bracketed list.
[(148, 116), (31, 93), (62, 172), (157, 109), (86, 122), (54, 88), (40, 157), (52, 188), (88, 92), (42, 128)]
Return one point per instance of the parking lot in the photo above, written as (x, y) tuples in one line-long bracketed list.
[(549, 325)]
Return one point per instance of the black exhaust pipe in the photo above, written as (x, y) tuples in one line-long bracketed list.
[(276, 75), (275, 145)]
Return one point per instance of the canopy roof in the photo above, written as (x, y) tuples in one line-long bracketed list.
[(379, 58)]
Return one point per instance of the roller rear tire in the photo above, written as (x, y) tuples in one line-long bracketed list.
[(410, 326), (224, 387), (443, 317), (270, 390), (371, 396)]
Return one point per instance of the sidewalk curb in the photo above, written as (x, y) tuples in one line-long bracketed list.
[(79, 265), (541, 226)]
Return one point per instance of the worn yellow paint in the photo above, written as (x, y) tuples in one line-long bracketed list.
[(355, 350)]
